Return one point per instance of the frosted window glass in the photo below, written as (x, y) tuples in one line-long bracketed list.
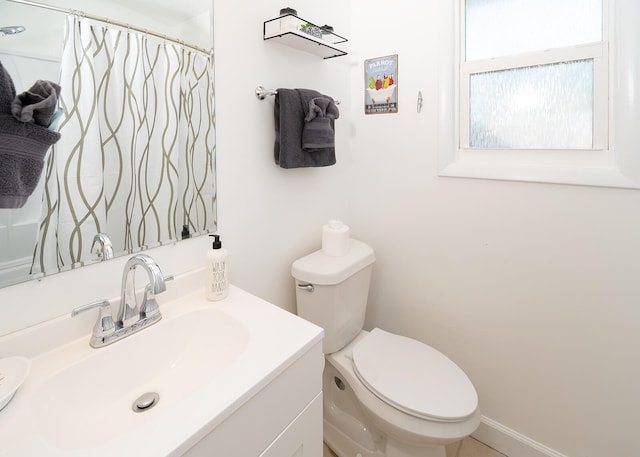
[(503, 27), (539, 107)]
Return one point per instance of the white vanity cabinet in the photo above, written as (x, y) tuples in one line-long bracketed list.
[(284, 419), (303, 436)]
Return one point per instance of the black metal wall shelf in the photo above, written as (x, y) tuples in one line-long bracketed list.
[(287, 29)]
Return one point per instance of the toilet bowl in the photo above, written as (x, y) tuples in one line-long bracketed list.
[(386, 428), (385, 395)]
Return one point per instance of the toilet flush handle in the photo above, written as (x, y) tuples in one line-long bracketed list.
[(307, 287)]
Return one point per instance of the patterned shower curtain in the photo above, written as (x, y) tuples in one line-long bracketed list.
[(136, 159)]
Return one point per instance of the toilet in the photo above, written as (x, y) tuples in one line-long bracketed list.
[(385, 395)]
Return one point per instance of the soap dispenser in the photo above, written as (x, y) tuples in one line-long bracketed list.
[(217, 276)]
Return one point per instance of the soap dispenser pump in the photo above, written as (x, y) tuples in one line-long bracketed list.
[(217, 271)]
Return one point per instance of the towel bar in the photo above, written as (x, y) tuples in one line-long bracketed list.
[(263, 93)]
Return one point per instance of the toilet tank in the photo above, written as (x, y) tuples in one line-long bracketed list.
[(332, 292)]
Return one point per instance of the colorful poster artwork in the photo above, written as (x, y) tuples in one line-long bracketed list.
[(381, 85)]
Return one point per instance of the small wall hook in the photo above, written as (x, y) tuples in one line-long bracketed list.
[(419, 107)]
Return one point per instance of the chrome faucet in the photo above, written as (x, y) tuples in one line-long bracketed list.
[(105, 247), (129, 313), (130, 317)]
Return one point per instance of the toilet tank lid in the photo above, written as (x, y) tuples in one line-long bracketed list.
[(322, 269)]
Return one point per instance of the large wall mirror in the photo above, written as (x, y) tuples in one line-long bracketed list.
[(134, 167)]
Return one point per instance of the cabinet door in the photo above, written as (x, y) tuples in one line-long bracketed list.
[(302, 437)]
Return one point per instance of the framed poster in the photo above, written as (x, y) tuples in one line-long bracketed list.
[(381, 85)]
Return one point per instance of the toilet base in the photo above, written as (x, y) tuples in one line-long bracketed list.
[(349, 432), (346, 429), (343, 446)]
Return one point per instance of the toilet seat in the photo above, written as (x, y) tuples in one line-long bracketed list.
[(413, 377)]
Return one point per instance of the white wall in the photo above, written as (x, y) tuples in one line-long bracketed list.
[(532, 289), (270, 216)]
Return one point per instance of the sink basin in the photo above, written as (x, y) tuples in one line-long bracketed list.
[(207, 361), (173, 358)]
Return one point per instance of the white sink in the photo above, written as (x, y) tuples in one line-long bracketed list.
[(204, 360), (174, 360)]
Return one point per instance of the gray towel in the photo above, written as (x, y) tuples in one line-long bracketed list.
[(318, 131), (290, 108), (37, 104), (7, 90), (23, 146)]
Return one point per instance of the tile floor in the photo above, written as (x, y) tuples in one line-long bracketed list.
[(468, 447)]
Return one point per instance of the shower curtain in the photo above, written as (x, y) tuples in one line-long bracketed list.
[(136, 159)]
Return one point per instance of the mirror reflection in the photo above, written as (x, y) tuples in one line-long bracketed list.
[(134, 166)]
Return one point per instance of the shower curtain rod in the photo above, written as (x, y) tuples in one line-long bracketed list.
[(111, 22)]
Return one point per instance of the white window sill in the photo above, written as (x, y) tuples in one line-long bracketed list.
[(585, 176)]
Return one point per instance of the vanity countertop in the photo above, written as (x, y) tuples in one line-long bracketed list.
[(66, 389)]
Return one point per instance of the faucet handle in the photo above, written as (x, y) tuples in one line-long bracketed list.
[(105, 324)]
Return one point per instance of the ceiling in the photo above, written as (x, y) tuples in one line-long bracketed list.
[(167, 10)]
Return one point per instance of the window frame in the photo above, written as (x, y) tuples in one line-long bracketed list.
[(606, 164)]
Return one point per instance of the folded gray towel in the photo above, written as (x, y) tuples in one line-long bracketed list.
[(290, 109), (38, 104), (322, 107), (23, 146), (318, 131), (7, 90)]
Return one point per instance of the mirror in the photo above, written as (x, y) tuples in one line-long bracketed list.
[(36, 54)]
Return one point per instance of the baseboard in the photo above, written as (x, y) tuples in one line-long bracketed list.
[(510, 442)]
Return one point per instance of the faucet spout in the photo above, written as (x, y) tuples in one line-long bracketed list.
[(105, 247), (129, 313)]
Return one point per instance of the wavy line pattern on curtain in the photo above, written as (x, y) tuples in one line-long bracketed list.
[(136, 159)]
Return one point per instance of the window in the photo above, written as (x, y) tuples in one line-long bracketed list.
[(532, 93), (546, 106)]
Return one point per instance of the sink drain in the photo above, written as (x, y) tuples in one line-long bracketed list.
[(145, 402)]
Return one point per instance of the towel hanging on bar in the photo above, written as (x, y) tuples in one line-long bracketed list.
[(290, 109)]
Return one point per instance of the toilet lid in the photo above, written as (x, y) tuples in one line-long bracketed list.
[(413, 377)]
